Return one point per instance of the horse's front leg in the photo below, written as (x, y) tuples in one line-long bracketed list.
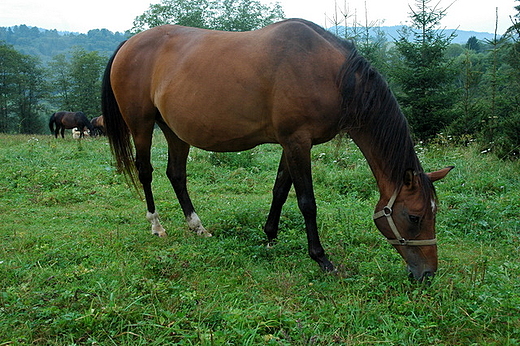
[(299, 163), (178, 151), (281, 189)]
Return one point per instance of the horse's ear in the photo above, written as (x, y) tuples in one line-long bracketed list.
[(438, 175), (409, 178)]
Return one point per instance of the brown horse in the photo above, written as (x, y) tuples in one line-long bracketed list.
[(69, 120), (291, 83), (98, 123)]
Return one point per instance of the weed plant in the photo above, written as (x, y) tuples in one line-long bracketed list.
[(78, 265)]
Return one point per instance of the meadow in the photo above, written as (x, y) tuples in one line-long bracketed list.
[(79, 266)]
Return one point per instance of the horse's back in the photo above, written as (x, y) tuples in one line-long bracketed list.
[(227, 90), (71, 120)]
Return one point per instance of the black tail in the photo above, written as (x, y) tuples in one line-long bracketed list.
[(116, 129), (51, 123)]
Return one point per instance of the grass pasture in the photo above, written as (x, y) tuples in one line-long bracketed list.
[(78, 265)]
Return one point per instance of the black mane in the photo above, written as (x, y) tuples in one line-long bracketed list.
[(370, 106)]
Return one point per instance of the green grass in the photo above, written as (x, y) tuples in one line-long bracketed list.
[(78, 265)]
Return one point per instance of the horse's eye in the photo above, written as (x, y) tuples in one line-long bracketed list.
[(414, 219)]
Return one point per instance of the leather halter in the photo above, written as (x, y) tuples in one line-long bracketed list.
[(399, 240)]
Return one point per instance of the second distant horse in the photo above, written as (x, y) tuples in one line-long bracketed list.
[(99, 126), (69, 120)]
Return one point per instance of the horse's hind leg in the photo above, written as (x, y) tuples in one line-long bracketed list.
[(143, 144), (281, 189), (178, 151)]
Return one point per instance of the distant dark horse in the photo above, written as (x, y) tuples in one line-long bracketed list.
[(291, 83), (69, 120), (98, 123)]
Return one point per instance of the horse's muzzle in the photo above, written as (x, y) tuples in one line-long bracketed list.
[(423, 277)]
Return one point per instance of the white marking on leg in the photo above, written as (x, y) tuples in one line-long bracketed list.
[(196, 226), (157, 228)]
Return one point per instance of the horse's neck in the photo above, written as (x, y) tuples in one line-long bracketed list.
[(377, 162)]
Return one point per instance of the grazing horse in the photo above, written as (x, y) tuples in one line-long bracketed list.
[(291, 83), (98, 123), (69, 120)]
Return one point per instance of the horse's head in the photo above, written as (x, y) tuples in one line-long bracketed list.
[(91, 129), (407, 220)]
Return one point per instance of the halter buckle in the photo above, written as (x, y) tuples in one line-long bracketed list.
[(387, 211)]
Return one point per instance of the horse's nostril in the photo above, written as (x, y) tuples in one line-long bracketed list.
[(427, 277)]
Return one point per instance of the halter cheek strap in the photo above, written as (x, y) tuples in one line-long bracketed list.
[(399, 240)]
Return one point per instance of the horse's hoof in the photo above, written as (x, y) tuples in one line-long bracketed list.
[(160, 232), (271, 241), (160, 235), (334, 271), (196, 226), (201, 231), (328, 268)]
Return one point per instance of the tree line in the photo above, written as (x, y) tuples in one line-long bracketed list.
[(45, 44), (29, 92), (449, 92)]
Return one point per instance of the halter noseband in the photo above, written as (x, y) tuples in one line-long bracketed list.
[(399, 240)]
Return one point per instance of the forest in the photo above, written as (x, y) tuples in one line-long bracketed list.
[(449, 92), (46, 44)]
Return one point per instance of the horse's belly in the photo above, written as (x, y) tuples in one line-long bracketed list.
[(217, 118), (221, 134)]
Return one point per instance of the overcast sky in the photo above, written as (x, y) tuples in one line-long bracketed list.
[(118, 15)]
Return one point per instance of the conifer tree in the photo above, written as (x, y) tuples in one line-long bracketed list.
[(423, 72)]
